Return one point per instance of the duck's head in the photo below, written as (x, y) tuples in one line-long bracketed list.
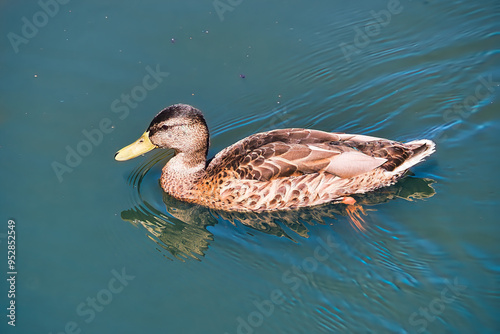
[(180, 127)]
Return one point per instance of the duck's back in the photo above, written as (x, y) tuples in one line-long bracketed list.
[(290, 168)]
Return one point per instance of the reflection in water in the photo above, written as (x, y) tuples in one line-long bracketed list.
[(182, 238), (183, 233)]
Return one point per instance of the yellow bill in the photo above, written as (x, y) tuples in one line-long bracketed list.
[(140, 146)]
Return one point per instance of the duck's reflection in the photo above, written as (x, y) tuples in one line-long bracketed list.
[(183, 233)]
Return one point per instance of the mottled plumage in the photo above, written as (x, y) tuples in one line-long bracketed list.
[(275, 170)]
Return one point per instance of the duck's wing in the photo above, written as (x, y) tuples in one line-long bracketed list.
[(277, 160), (293, 152)]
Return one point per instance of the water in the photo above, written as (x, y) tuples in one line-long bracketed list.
[(101, 250)]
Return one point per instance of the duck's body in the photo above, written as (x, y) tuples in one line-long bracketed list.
[(275, 170)]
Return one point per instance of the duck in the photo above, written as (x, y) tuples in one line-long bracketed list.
[(282, 169)]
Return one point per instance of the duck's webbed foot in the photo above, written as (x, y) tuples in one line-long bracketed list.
[(354, 212)]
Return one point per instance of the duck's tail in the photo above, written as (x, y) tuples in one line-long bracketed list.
[(421, 149)]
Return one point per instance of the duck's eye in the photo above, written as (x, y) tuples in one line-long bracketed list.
[(164, 127)]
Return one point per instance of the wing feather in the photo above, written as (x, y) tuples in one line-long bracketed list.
[(294, 152)]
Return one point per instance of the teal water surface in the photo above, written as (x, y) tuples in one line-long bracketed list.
[(101, 249)]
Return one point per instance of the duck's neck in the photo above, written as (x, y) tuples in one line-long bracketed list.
[(182, 172)]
